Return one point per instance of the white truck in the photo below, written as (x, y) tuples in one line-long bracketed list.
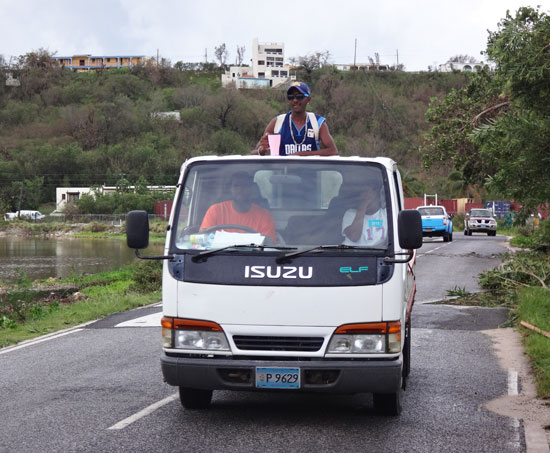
[(303, 309)]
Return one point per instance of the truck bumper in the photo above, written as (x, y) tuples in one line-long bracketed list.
[(433, 232), (331, 376)]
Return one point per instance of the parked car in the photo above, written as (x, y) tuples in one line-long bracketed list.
[(436, 222), (480, 221), (24, 214)]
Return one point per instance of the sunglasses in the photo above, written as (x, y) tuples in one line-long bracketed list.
[(298, 97)]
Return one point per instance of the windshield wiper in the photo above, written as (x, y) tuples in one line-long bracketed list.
[(203, 255), (287, 256)]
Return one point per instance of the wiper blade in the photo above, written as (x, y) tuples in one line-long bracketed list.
[(286, 256), (203, 255)]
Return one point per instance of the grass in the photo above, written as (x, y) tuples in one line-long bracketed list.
[(100, 295), (534, 308)]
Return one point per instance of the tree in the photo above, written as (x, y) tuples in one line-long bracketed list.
[(221, 53), (496, 130), (240, 55), (463, 59), (448, 143), (516, 140), (311, 62)]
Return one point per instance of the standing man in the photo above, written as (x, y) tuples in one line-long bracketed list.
[(302, 133)]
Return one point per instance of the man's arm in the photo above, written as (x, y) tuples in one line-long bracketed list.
[(263, 145), (328, 147)]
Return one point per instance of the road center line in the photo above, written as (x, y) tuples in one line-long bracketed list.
[(143, 413), (433, 250), (513, 383)]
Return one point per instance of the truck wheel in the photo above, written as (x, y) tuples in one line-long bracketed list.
[(387, 403), (469, 232), (451, 236), (445, 237), (195, 398)]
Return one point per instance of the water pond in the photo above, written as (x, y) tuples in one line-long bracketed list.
[(41, 258)]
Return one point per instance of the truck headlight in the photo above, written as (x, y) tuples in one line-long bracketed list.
[(196, 339), (366, 338), (193, 334)]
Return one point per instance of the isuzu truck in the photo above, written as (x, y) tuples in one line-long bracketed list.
[(287, 274)]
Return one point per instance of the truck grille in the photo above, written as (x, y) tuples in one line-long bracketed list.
[(263, 343)]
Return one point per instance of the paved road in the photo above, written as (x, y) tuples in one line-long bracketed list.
[(68, 393)]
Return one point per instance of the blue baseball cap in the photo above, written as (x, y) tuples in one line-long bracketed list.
[(301, 87)]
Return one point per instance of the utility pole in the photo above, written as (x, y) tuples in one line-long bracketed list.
[(397, 51), (206, 55), (157, 57), (355, 52)]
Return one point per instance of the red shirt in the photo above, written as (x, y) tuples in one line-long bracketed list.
[(257, 218)]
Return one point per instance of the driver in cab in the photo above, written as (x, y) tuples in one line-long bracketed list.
[(240, 210)]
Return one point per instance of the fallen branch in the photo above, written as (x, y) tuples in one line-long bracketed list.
[(489, 110), (536, 329)]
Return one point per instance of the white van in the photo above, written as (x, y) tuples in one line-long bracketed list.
[(291, 304), (24, 214)]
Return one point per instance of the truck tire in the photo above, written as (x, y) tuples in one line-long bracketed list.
[(195, 398), (451, 236), (445, 237), (387, 403)]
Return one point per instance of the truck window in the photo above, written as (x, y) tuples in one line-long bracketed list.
[(282, 203)]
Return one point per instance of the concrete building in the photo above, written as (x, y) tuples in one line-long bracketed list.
[(268, 68), (461, 67), (86, 63), (68, 195), (363, 67)]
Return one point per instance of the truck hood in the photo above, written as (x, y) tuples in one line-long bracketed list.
[(283, 306)]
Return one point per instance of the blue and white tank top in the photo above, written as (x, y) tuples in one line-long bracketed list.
[(294, 140)]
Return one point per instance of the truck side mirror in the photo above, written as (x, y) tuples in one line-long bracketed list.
[(137, 230), (409, 228)]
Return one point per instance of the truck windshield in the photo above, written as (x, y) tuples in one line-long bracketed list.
[(481, 213), (293, 203)]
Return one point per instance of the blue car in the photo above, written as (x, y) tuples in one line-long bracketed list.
[(436, 222)]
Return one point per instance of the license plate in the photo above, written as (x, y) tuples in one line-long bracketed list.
[(278, 378), (428, 229)]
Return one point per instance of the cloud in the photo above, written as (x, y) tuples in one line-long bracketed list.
[(423, 31)]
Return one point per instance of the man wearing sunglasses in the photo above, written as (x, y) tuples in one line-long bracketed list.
[(302, 133)]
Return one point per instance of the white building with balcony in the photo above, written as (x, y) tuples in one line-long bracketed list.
[(461, 67), (268, 68)]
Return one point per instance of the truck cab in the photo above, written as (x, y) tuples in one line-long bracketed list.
[(286, 301)]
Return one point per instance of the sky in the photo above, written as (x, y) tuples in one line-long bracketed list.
[(417, 33)]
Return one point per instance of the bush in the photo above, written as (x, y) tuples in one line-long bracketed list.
[(147, 276)]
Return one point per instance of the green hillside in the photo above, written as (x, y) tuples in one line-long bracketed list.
[(60, 128)]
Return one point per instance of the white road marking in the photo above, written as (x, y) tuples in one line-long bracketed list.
[(143, 413), (434, 249), (38, 340), (513, 383), (144, 321)]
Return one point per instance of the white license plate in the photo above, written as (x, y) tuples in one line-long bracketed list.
[(278, 378)]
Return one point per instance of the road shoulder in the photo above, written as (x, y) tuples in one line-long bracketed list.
[(524, 405)]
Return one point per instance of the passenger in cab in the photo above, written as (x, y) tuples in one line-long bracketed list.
[(240, 210), (367, 225), (302, 133)]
